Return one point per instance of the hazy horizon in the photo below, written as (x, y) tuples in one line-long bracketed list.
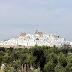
[(50, 16)]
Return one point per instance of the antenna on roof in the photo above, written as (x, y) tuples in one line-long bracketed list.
[(36, 27), (36, 31)]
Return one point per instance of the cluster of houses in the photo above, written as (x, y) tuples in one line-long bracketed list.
[(38, 38)]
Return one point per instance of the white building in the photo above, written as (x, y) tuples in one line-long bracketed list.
[(38, 38)]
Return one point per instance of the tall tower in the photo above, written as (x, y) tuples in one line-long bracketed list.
[(36, 31), (36, 27)]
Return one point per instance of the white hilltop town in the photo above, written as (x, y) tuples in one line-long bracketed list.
[(38, 38)]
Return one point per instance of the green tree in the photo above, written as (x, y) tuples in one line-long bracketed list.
[(49, 67)]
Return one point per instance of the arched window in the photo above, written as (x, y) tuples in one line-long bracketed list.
[(37, 38)]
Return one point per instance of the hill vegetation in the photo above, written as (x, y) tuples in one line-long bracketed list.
[(36, 59)]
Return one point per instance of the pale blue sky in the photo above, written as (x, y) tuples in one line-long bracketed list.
[(50, 16)]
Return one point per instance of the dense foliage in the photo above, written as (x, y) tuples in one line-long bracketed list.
[(40, 58)]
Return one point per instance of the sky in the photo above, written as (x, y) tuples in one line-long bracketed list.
[(50, 16)]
